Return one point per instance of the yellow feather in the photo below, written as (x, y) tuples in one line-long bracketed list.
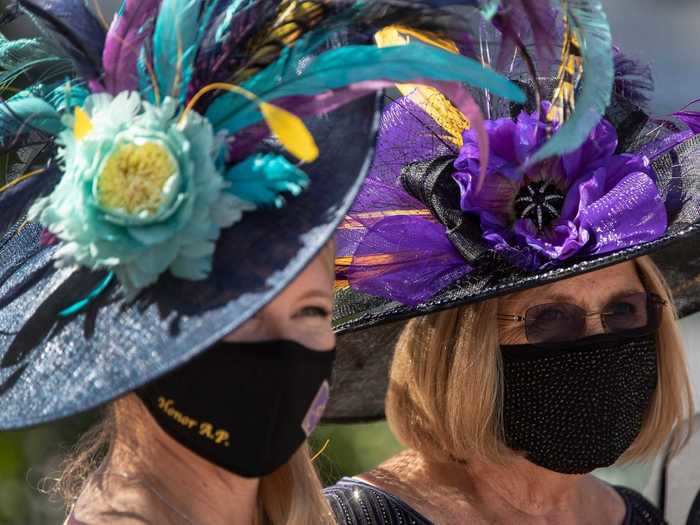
[(294, 19), (429, 99), (291, 132), (83, 124), (289, 129), (568, 76), (398, 35)]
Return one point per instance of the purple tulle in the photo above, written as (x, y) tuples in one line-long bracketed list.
[(407, 259), (587, 202), (415, 259)]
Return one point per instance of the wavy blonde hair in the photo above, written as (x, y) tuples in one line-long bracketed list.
[(291, 495), (446, 386)]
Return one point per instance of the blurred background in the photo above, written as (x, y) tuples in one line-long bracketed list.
[(663, 33)]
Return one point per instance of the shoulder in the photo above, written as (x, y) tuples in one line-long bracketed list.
[(640, 511), (355, 502)]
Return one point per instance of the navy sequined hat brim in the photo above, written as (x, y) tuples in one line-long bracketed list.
[(116, 346)]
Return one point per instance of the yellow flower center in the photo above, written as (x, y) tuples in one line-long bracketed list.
[(134, 178)]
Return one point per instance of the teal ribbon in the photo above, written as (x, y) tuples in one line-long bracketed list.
[(80, 305)]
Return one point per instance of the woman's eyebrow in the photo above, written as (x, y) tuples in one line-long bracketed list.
[(623, 293), (544, 298), (563, 297), (316, 294)]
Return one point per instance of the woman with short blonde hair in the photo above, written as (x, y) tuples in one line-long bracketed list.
[(543, 342), (444, 358)]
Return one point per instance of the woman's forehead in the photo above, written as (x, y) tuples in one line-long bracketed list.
[(592, 288)]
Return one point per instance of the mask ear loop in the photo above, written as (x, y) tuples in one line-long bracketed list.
[(321, 451)]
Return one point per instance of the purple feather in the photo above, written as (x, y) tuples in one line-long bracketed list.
[(522, 22), (74, 28), (302, 106), (130, 27)]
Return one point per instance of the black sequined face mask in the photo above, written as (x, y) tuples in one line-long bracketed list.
[(576, 406)]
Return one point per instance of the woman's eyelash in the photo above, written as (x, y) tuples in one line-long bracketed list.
[(313, 311)]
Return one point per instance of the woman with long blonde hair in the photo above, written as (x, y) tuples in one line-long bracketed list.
[(160, 240)]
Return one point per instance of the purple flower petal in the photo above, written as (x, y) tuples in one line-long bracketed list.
[(630, 213), (561, 241), (594, 153), (495, 197), (583, 202)]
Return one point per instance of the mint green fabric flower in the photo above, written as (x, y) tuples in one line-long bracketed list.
[(141, 193)]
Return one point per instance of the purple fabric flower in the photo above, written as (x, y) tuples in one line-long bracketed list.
[(587, 202)]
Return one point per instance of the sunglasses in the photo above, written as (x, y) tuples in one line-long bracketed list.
[(557, 322)]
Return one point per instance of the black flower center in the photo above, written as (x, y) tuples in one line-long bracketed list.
[(540, 201)]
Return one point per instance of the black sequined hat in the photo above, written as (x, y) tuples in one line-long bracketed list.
[(421, 238), (161, 186)]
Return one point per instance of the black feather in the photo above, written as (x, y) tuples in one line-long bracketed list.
[(75, 30)]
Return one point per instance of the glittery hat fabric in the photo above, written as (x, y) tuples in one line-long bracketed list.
[(166, 176)]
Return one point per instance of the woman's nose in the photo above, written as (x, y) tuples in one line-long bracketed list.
[(595, 325)]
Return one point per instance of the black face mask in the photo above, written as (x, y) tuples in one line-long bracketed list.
[(246, 407), (577, 406)]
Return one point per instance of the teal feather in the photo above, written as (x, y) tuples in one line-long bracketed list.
[(596, 86), (66, 96), (21, 56), (25, 109), (175, 46), (223, 28), (145, 84), (490, 8), (342, 67), (208, 15), (261, 179)]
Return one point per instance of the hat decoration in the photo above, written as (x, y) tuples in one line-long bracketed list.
[(154, 139), (430, 231), (166, 176)]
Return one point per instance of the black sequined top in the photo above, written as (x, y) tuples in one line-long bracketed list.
[(357, 503)]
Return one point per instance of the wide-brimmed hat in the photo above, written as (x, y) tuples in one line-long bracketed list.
[(154, 198), (434, 227)]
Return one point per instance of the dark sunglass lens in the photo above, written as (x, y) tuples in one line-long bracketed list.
[(632, 313), (552, 322)]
